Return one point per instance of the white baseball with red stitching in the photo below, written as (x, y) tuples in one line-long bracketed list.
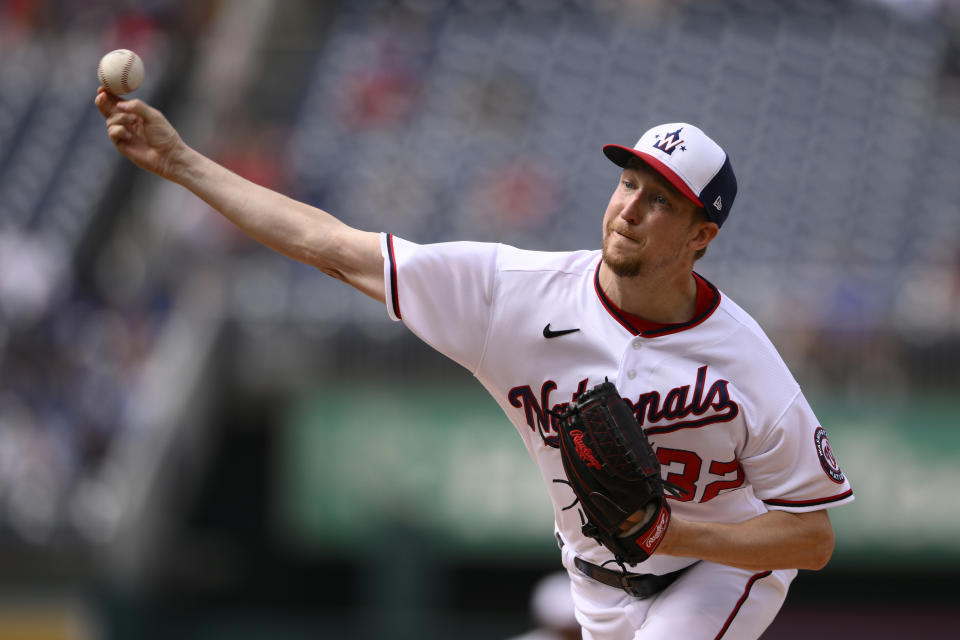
[(120, 71)]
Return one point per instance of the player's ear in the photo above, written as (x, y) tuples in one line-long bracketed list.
[(703, 234)]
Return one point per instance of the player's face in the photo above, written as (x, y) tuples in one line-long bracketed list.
[(648, 225)]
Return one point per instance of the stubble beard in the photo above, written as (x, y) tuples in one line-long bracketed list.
[(631, 266), (623, 267)]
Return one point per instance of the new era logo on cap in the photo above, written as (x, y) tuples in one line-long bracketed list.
[(696, 165)]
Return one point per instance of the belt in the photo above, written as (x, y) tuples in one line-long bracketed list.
[(638, 585)]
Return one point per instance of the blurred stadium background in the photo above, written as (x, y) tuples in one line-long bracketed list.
[(200, 439)]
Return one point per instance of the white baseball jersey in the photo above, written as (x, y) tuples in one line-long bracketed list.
[(728, 421)]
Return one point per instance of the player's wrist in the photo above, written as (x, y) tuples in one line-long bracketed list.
[(672, 540), (184, 165)]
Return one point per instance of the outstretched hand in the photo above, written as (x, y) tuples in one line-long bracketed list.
[(141, 133)]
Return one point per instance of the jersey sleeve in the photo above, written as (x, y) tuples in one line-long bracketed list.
[(791, 464), (443, 292)]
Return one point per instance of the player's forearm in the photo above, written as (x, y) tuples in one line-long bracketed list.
[(774, 540), (289, 227)]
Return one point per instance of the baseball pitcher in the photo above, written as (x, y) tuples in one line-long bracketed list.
[(690, 479)]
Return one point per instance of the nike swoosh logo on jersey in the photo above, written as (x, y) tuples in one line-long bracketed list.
[(548, 333)]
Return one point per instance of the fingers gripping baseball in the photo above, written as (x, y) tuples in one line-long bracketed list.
[(140, 132)]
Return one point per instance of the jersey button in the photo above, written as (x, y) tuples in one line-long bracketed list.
[(637, 342), (631, 374)]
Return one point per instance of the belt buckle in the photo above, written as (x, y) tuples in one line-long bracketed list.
[(630, 589)]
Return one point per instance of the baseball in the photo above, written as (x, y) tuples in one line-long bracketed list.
[(120, 71)]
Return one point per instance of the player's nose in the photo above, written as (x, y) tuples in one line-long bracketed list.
[(633, 207)]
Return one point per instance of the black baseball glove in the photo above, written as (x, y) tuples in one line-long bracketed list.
[(614, 473)]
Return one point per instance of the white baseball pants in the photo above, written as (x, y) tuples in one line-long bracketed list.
[(709, 602)]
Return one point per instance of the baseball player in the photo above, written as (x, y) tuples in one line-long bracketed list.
[(753, 469)]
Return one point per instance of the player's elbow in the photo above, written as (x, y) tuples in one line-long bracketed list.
[(345, 253), (820, 548), (821, 556)]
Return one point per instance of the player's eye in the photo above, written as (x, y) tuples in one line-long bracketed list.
[(627, 184), (661, 200)]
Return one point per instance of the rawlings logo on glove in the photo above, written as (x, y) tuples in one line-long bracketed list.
[(651, 540), (614, 473), (583, 450)]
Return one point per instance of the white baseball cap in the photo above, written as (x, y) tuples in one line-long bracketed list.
[(692, 162)]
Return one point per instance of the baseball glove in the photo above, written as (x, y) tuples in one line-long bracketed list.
[(614, 473)]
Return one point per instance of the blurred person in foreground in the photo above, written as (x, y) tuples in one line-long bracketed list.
[(552, 607), (732, 430)]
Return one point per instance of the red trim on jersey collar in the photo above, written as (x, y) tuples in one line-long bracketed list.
[(708, 299)]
